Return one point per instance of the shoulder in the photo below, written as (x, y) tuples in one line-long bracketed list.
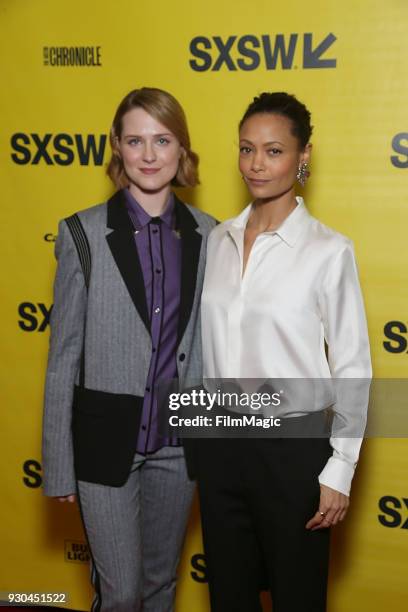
[(93, 219), (205, 221), (219, 230), (328, 239), (93, 214), (233, 224)]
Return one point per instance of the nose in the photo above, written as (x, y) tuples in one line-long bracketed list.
[(149, 154), (258, 162)]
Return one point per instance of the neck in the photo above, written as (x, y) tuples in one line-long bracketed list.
[(153, 202), (269, 214)]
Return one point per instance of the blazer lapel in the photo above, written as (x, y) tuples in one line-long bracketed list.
[(190, 254), (122, 245)]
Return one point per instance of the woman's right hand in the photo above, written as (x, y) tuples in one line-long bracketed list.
[(68, 498)]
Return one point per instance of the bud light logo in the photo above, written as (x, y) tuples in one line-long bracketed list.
[(76, 552)]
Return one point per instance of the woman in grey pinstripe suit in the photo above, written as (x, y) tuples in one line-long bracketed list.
[(114, 336)]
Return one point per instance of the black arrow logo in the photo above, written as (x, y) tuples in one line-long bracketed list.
[(311, 57)]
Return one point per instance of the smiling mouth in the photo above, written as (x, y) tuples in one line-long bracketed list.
[(149, 170)]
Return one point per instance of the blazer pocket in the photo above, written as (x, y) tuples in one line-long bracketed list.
[(105, 427)]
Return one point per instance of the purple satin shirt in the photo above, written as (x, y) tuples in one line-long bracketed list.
[(159, 250)]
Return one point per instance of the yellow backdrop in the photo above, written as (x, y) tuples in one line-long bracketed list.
[(64, 68)]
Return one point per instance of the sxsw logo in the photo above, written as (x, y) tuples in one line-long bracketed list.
[(199, 568), (60, 149), (249, 52), (400, 146), (34, 317), (396, 334), (394, 511), (32, 474)]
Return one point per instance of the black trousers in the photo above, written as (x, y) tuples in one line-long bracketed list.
[(256, 496)]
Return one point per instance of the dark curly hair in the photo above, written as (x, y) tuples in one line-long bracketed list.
[(287, 105)]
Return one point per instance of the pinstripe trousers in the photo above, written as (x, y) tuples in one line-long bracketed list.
[(135, 533)]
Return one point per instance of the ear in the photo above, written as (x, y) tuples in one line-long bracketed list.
[(306, 153), (115, 148), (114, 140)]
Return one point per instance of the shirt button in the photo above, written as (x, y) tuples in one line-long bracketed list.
[(155, 230), (157, 310), (158, 271), (148, 389), (182, 357), (144, 427), (154, 350)]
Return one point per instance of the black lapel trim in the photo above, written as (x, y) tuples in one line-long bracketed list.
[(190, 254), (122, 244)]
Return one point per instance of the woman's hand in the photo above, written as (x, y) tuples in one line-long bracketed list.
[(332, 509), (68, 498)]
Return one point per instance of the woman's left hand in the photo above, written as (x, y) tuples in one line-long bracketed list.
[(332, 509)]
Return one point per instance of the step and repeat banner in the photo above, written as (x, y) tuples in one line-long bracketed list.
[(64, 69)]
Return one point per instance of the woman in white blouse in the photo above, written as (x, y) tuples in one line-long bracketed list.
[(278, 286)]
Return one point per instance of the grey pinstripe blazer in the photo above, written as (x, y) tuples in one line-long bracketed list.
[(113, 313)]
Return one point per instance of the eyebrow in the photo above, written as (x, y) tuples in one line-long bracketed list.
[(265, 144), (139, 136)]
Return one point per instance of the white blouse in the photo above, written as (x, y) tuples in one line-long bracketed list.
[(300, 288)]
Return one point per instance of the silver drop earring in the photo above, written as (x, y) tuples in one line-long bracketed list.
[(302, 173)]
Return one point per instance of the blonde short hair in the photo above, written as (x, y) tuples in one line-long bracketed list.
[(167, 110)]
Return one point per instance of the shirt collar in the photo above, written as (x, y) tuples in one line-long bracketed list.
[(141, 218), (289, 230)]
